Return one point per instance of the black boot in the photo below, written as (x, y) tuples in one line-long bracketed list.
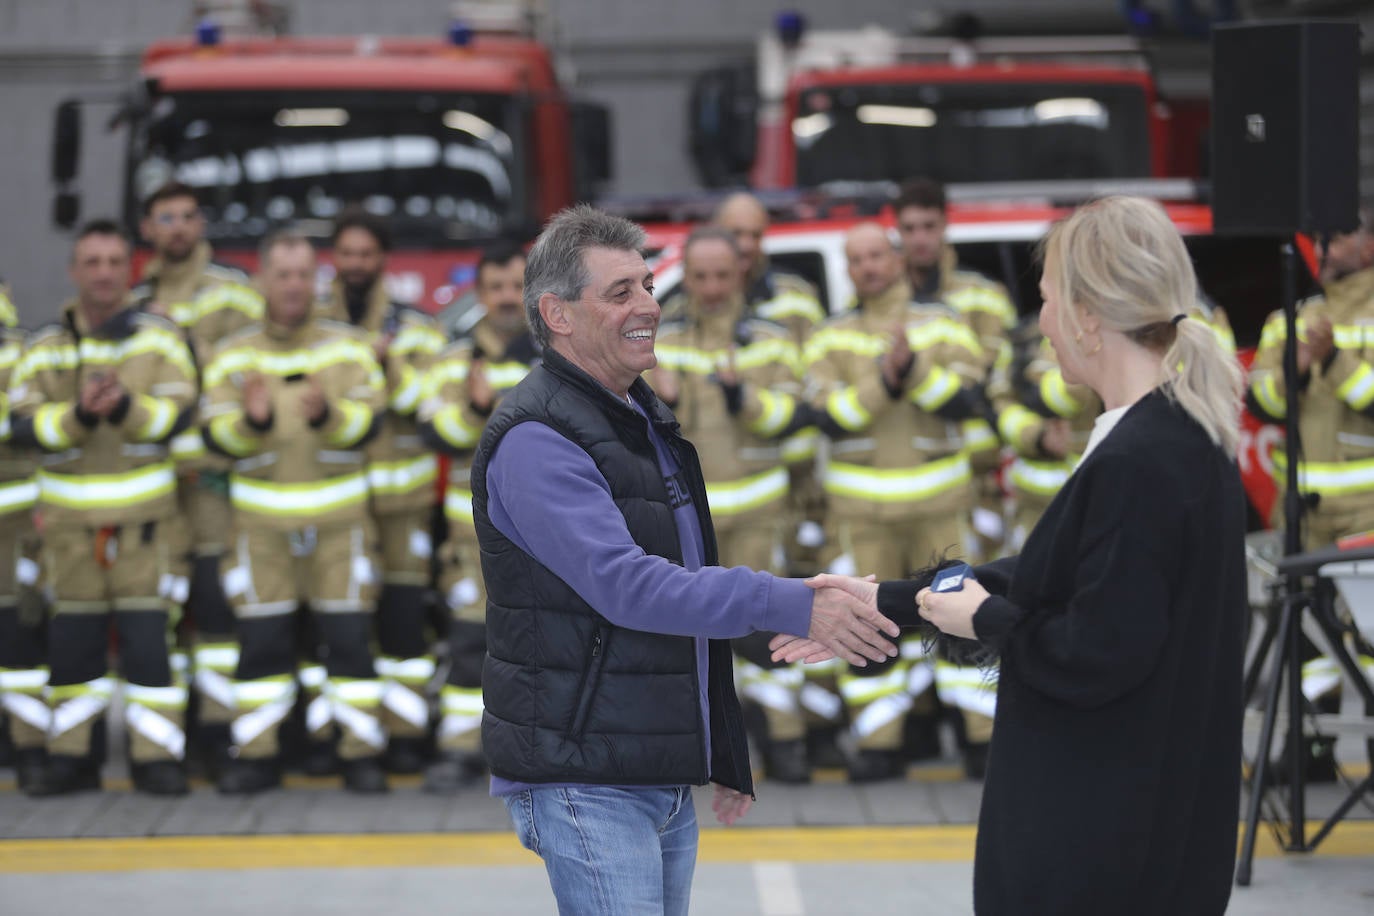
[(244, 777), (823, 747), (160, 777), (364, 776), (1318, 761), (211, 749), (453, 772), (876, 766), (976, 760), (921, 737), (65, 774), (321, 758), (405, 755), (786, 762), (28, 767)]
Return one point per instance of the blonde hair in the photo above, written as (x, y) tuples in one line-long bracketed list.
[(1122, 259)]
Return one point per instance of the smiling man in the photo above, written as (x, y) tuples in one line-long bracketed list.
[(608, 684)]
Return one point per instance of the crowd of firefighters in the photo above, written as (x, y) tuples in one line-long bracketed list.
[(220, 493)]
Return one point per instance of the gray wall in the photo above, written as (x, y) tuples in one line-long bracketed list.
[(634, 55)]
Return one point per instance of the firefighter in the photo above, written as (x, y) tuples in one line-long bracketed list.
[(893, 381), (102, 393), (23, 662), (732, 383), (1336, 426), (932, 268), (461, 390), (402, 473), (208, 301), (293, 402)]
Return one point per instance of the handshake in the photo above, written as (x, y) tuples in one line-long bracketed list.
[(846, 622)]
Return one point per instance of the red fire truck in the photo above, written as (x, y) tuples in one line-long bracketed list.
[(817, 107), (457, 140)]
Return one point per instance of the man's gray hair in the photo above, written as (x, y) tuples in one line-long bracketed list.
[(557, 262)]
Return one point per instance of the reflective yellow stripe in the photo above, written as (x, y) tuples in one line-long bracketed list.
[(162, 414), (155, 697), (107, 491), (501, 376), (263, 690), (1265, 387), (790, 304), (939, 385), (1045, 478), (356, 420), (234, 296), (983, 299), (300, 500), (920, 336), (461, 701), (23, 680), (844, 407), (188, 445), (857, 690), (1358, 390), (736, 496), (293, 362), (224, 430), (417, 338), (458, 504), (1014, 421), (406, 670), (406, 397), (395, 478), (898, 484), (1329, 478), (978, 436), (18, 494), (696, 361), (101, 688), (801, 446), (777, 413), (1054, 391), (453, 429), (47, 427)]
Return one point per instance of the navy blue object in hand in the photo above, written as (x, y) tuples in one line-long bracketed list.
[(951, 578)]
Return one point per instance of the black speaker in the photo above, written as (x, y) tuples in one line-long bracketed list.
[(1285, 127)]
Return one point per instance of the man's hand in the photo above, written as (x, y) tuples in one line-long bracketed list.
[(789, 649), (897, 360), (313, 402), (381, 346), (101, 394), (480, 393), (257, 399), (952, 612), (1315, 344), (845, 620), (1056, 438), (726, 373), (730, 805)]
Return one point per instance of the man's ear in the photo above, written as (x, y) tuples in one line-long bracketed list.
[(556, 315)]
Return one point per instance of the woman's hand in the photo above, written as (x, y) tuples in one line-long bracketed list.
[(730, 805), (952, 612)]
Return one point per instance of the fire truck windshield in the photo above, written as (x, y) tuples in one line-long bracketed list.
[(441, 167), (964, 131)]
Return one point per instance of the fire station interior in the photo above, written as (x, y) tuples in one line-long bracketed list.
[(290, 716)]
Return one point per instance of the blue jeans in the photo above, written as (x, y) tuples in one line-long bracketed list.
[(610, 850)]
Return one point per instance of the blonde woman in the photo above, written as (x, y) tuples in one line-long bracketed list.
[(1114, 774)]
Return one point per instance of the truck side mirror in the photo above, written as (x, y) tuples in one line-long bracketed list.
[(722, 124), (66, 209), (591, 128), (66, 141)]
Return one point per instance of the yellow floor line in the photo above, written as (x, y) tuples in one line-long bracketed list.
[(808, 845)]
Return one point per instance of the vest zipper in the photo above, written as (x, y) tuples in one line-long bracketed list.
[(590, 681)]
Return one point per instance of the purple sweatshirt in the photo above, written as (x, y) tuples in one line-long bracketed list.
[(586, 543)]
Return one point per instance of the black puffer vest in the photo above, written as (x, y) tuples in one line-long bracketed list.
[(570, 697)]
